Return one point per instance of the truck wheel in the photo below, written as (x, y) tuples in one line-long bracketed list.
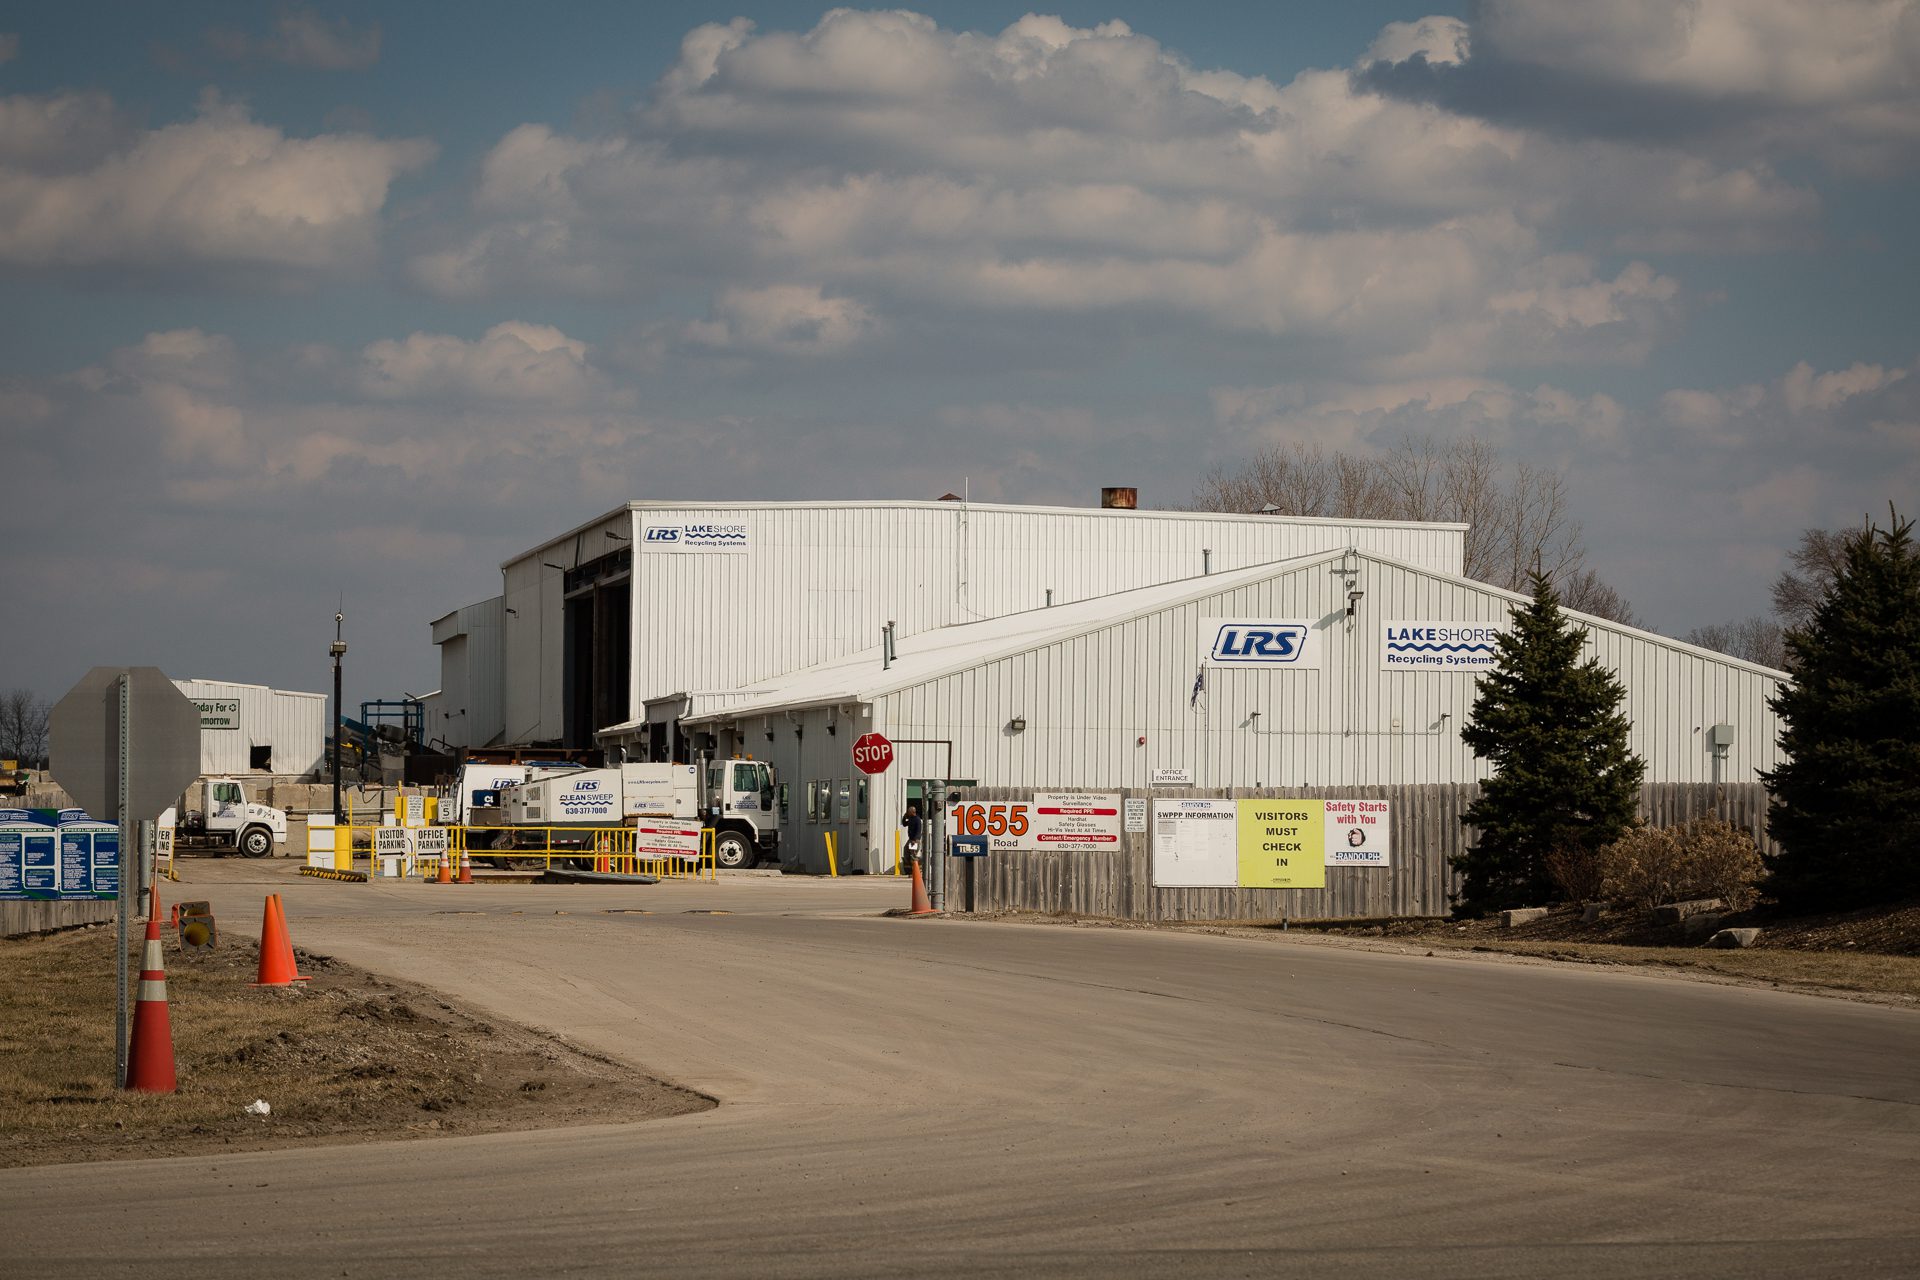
[(256, 842), (731, 849)]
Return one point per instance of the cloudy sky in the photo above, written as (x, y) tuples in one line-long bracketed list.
[(306, 305)]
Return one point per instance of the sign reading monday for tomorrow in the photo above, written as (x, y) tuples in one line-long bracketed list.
[(1425, 645), (1265, 843), (218, 713), (695, 537)]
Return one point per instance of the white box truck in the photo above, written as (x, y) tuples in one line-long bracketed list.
[(733, 798)]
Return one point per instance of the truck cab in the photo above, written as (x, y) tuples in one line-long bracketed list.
[(736, 800), (228, 818)]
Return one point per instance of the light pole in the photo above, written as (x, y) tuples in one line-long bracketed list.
[(338, 649)]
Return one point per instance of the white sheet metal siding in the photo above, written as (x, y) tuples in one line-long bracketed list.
[(469, 709), (819, 580), (294, 725), (1090, 699)]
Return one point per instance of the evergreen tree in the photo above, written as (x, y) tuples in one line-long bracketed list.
[(1846, 804), (1562, 775)]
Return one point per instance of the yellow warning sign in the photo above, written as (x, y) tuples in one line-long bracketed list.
[(1283, 844)]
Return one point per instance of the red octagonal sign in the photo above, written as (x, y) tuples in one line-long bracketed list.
[(872, 753)]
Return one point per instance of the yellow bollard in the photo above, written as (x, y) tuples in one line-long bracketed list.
[(896, 853), (833, 863)]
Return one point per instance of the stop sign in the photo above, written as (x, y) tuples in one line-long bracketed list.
[(163, 746), (872, 753)]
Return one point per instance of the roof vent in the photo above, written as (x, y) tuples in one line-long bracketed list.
[(1119, 499)]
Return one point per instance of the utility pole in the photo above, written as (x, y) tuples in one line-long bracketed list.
[(338, 650)]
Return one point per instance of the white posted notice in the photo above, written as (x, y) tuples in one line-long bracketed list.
[(1196, 844), (1075, 821), (666, 838), (1358, 834)]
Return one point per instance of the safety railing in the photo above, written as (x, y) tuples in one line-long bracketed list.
[(609, 850), (384, 852)]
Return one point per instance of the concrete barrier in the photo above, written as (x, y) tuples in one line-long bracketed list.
[(1521, 915), (1676, 912)]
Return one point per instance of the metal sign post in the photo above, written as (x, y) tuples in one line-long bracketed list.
[(94, 745), (124, 914)]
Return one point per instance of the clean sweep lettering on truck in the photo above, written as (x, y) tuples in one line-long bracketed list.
[(588, 798)]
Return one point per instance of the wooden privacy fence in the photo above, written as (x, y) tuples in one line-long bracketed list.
[(1426, 833)]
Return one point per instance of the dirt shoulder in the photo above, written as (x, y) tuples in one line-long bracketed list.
[(1863, 955), (351, 1056)]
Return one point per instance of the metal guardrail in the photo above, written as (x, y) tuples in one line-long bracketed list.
[(609, 850)]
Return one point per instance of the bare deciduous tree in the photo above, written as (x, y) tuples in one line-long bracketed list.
[(1517, 516), (23, 727), (1756, 639), (1815, 562)]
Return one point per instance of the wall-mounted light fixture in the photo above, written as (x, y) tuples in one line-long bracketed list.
[(551, 565), (1017, 725), (515, 612), (618, 537), (1353, 599)]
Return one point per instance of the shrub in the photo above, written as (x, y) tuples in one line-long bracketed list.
[(1704, 858), (1578, 872)]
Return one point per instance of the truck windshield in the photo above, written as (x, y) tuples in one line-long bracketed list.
[(746, 777)]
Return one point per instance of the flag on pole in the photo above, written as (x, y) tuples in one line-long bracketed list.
[(1199, 686)]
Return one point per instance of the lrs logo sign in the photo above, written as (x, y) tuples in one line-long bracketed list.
[(1260, 642), (662, 533)]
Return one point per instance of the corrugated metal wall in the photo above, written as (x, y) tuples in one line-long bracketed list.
[(469, 710), (1426, 829), (1106, 709), (818, 581), (294, 725)]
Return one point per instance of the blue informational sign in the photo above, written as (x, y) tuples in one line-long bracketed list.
[(71, 815), (73, 862), (12, 865), (39, 864), (106, 864), (16, 815), (969, 846)]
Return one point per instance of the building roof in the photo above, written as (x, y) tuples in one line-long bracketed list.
[(930, 655), (949, 505)]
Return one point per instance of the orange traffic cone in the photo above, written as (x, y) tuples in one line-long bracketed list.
[(921, 905), (446, 871), (276, 948), (466, 868), (150, 1051)]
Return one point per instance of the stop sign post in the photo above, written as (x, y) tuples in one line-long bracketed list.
[(124, 742), (872, 753)]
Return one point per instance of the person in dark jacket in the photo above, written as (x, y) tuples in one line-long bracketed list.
[(911, 821)]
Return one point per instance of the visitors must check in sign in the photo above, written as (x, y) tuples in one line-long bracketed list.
[(1272, 843)]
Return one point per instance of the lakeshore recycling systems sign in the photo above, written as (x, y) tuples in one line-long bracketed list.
[(1427, 645)]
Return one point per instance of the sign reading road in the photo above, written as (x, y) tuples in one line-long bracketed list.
[(872, 753), (162, 747)]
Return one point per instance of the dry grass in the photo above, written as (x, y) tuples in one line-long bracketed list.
[(348, 1056), (1863, 972)]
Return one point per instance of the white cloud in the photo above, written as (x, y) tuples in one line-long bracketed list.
[(302, 38), (1833, 81), (1047, 171), (218, 192), (791, 319), (1437, 39), (511, 363)]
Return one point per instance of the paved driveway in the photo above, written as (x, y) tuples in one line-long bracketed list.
[(963, 1098)]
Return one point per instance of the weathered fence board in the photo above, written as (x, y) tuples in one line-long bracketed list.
[(1427, 834)]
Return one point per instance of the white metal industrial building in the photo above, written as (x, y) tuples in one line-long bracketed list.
[(249, 728), (1133, 689), (1043, 647), (613, 630)]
